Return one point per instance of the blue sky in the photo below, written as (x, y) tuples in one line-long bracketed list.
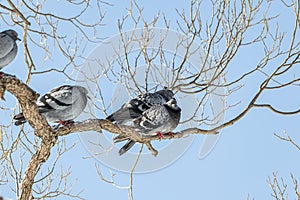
[(246, 154)]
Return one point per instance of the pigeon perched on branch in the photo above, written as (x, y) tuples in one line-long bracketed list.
[(62, 104), (135, 107), (157, 120), (8, 47)]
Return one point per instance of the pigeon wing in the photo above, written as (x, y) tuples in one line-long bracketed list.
[(154, 118), (130, 110), (58, 99), (135, 107), (63, 94)]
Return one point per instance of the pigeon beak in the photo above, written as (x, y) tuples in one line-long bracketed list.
[(89, 97), (18, 39)]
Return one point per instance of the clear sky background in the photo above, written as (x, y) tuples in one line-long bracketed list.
[(238, 167)]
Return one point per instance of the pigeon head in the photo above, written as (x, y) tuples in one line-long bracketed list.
[(167, 94), (13, 34), (82, 90), (79, 92), (172, 103)]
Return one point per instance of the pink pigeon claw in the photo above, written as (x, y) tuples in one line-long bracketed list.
[(171, 134), (66, 123), (160, 135)]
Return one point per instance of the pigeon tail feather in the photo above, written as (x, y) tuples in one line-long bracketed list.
[(19, 116), (111, 118), (20, 122), (19, 119), (126, 147)]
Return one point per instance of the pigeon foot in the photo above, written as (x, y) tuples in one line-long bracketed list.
[(160, 135), (171, 134), (66, 123)]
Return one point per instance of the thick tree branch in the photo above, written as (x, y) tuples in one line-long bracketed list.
[(131, 133), (27, 99), (127, 131)]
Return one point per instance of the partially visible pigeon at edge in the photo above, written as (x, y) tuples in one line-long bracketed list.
[(8, 47)]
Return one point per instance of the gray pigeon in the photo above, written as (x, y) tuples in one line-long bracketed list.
[(8, 47), (62, 104), (156, 120), (135, 107)]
